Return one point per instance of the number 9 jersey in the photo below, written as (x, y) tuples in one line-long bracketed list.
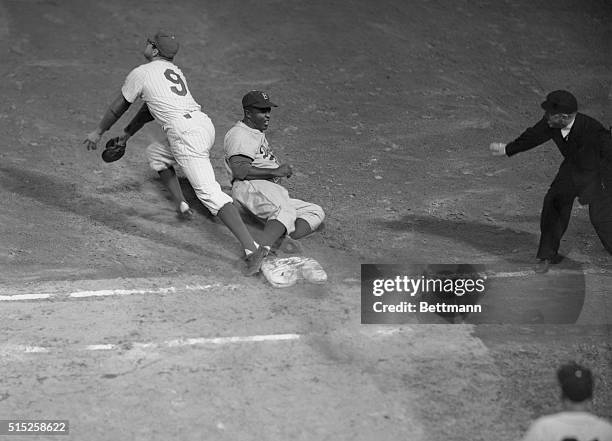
[(162, 85)]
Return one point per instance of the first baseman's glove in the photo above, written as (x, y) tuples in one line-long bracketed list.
[(115, 149)]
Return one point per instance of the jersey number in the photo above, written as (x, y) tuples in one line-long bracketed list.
[(175, 78)]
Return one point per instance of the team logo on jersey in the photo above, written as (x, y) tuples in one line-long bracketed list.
[(266, 152)]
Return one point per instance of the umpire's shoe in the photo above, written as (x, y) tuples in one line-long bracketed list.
[(255, 260), (543, 265)]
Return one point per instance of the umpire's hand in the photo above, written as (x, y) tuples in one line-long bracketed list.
[(497, 148)]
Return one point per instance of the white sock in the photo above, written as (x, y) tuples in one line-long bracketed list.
[(249, 252), (183, 207)]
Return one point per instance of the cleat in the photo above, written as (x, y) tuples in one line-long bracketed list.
[(542, 266), (185, 215), (184, 212), (255, 260)]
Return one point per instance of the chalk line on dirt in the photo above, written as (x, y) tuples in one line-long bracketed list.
[(371, 331), (175, 343), (113, 292), (171, 289)]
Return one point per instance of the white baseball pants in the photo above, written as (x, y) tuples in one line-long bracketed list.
[(189, 140), (268, 200)]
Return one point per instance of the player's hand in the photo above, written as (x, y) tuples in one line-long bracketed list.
[(497, 148), (92, 139), (285, 170), (123, 139)]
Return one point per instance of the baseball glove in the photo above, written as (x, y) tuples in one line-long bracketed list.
[(115, 149)]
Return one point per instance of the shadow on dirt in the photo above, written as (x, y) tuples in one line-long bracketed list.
[(514, 246), (66, 196), (488, 238)]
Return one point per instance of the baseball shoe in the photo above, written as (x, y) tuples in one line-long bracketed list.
[(543, 265), (185, 214), (255, 260)]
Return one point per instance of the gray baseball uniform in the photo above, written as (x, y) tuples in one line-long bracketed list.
[(266, 199)]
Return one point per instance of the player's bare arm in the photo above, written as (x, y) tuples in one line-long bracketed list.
[(112, 115), (244, 171)]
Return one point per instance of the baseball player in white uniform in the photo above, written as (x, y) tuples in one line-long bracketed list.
[(256, 174), (190, 134)]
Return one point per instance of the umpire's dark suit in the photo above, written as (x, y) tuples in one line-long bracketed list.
[(586, 173)]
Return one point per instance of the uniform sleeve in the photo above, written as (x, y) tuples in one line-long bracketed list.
[(240, 142), (605, 141), (132, 87), (240, 166), (530, 138)]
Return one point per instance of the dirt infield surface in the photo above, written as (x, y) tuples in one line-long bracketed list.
[(134, 325)]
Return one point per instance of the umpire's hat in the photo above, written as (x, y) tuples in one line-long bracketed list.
[(560, 101)]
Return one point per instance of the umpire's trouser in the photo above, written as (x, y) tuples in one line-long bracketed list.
[(557, 209)]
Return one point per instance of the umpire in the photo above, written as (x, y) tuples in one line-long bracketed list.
[(585, 173)]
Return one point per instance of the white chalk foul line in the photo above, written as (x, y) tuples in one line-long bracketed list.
[(198, 287), (28, 349), (125, 292), (111, 292), (525, 273), (25, 297), (176, 343), (505, 275)]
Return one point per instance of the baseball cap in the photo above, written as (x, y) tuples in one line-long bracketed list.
[(258, 99), (576, 381), (560, 101), (166, 43)]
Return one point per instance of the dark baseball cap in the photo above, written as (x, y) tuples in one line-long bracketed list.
[(166, 43), (258, 99), (560, 101), (576, 381)]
